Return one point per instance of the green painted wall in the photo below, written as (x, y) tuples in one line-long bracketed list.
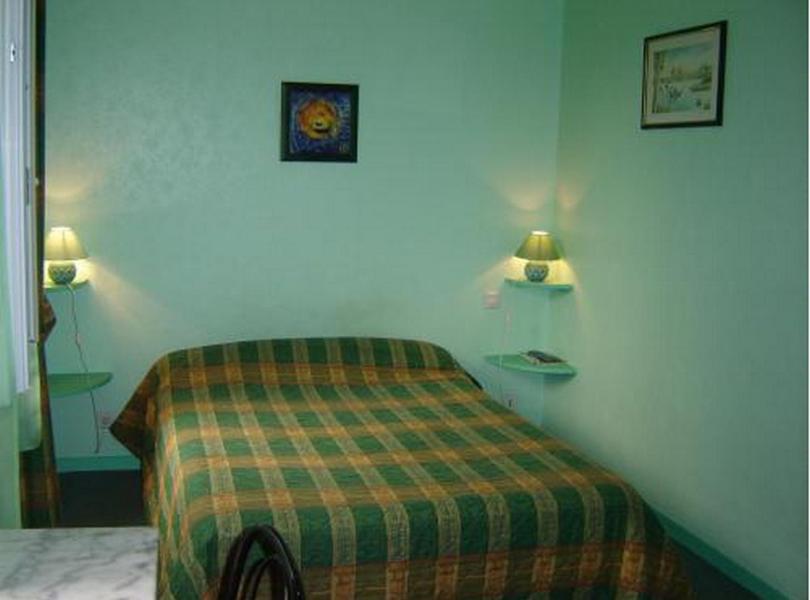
[(689, 249), (9, 447), (162, 152)]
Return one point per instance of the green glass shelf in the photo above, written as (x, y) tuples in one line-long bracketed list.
[(55, 287), (70, 384), (541, 285), (515, 362)]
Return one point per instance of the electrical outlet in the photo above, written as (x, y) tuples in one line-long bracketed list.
[(105, 419)]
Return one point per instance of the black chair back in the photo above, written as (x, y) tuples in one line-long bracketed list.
[(275, 562)]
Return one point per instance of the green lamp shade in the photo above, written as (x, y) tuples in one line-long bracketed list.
[(62, 243), (538, 246), (62, 247)]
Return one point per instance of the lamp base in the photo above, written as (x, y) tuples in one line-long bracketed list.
[(535, 271), (62, 273)]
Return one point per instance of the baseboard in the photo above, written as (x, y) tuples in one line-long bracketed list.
[(718, 560), (69, 464)]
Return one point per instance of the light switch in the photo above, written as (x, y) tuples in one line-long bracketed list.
[(492, 299)]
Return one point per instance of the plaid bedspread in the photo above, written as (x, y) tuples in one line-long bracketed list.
[(387, 471)]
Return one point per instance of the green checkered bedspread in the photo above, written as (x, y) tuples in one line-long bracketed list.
[(389, 473)]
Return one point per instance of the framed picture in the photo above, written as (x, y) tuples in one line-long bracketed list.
[(683, 77), (319, 122)]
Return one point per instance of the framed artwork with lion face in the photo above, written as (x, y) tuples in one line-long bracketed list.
[(319, 121)]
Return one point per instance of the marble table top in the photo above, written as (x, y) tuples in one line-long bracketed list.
[(117, 563)]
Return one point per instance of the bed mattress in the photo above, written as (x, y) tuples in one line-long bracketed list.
[(389, 473)]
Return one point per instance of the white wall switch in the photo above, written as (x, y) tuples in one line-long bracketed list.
[(105, 419), (492, 299)]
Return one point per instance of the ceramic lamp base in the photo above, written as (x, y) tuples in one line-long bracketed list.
[(62, 273), (535, 271)]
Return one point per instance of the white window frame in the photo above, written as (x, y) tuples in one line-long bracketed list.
[(17, 162)]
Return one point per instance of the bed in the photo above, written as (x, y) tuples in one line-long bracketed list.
[(389, 473)]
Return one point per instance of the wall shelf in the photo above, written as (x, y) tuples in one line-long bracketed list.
[(70, 384), (56, 287), (515, 362), (540, 285)]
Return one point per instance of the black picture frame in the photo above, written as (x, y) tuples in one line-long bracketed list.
[(691, 94), (319, 121)]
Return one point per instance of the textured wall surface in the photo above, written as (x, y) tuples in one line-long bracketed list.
[(689, 248), (163, 154)]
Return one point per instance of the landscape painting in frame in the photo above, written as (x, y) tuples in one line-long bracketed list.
[(318, 122), (683, 77)]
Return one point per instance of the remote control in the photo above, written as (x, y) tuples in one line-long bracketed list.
[(543, 357)]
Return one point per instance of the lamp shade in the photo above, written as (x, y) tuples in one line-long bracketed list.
[(62, 243), (538, 246)]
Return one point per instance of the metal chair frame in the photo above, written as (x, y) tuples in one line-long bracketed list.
[(277, 563)]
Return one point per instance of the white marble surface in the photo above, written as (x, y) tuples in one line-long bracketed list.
[(83, 564)]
